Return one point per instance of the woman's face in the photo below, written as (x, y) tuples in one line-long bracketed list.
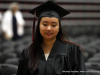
[(49, 27)]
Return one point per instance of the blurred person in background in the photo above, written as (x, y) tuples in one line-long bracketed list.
[(13, 23)]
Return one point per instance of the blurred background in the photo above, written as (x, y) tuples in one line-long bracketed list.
[(82, 26)]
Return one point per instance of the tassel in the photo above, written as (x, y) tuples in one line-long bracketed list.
[(33, 30)]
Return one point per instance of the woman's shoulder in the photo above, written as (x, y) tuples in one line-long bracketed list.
[(71, 44), (24, 54), (73, 47), (25, 51)]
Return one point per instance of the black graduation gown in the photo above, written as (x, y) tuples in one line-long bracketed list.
[(64, 59)]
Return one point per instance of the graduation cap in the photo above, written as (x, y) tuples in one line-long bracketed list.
[(48, 9)]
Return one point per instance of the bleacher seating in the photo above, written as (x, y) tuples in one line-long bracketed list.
[(8, 69), (93, 65), (93, 72), (13, 61)]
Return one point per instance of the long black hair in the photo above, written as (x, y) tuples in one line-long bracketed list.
[(33, 50)]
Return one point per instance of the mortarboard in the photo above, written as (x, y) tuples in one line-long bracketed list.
[(48, 9)]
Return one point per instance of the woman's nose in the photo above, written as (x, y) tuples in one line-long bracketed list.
[(48, 27)]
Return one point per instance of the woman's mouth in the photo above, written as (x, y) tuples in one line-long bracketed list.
[(48, 34)]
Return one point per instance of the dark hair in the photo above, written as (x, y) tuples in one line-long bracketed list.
[(33, 50)]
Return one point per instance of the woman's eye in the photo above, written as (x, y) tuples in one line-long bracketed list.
[(53, 25), (45, 24)]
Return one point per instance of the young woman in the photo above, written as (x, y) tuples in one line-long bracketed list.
[(50, 53)]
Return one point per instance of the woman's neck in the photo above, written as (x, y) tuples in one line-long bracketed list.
[(48, 42), (47, 45)]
